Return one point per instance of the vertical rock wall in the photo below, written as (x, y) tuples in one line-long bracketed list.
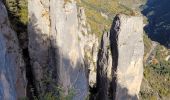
[(122, 79), (12, 68), (54, 47), (64, 38), (127, 35), (39, 43), (104, 68), (89, 46), (60, 48)]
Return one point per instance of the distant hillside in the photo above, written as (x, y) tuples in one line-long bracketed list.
[(100, 13), (156, 82), (158, 15)]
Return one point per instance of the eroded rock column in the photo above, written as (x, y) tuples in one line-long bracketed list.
[(127, 38), (104, 68)]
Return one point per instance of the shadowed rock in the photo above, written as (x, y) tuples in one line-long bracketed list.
[(104, 68), (12, 67)]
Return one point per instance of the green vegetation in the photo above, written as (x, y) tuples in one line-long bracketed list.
[(147, 44), (158, 76), (94, 10), (157, 73), (18, 11), (56, 91), (23, 11), (161, 53), (60, 96), (66, 1)]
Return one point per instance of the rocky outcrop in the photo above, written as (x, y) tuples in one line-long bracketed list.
[(64, 33), (123, 78), (127, 48), (61, 49), (55, 53), (89, 46), (39, 43), (104, 68), (12, 68)]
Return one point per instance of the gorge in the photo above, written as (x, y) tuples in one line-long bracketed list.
[(158, 15), (81, 50)]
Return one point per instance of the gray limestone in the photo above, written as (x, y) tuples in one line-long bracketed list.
[(12, 68)]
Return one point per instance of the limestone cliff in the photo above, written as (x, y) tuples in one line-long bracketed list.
[(125, 41), (89, 46), (104, 68), (127, 53), (12, 68), (39, 43), (64, 33), (61, 49), (65, 60), (54, 47)]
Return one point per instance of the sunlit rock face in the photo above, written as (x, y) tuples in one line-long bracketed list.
[(64, 33), (12, 69), (120, 59), (54, 47), (127, 53), (89, 46)]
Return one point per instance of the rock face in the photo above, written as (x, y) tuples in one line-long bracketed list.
[(65, 57), (127, 53), (54, 47), (89, 47), (12, 68), (104, 68), (70, 65), (121, 79), (39, 43)]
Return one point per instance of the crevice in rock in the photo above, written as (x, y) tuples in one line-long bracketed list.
[(103, 82), (31, 89), (107, 82), (114, 32), (93, 93)]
